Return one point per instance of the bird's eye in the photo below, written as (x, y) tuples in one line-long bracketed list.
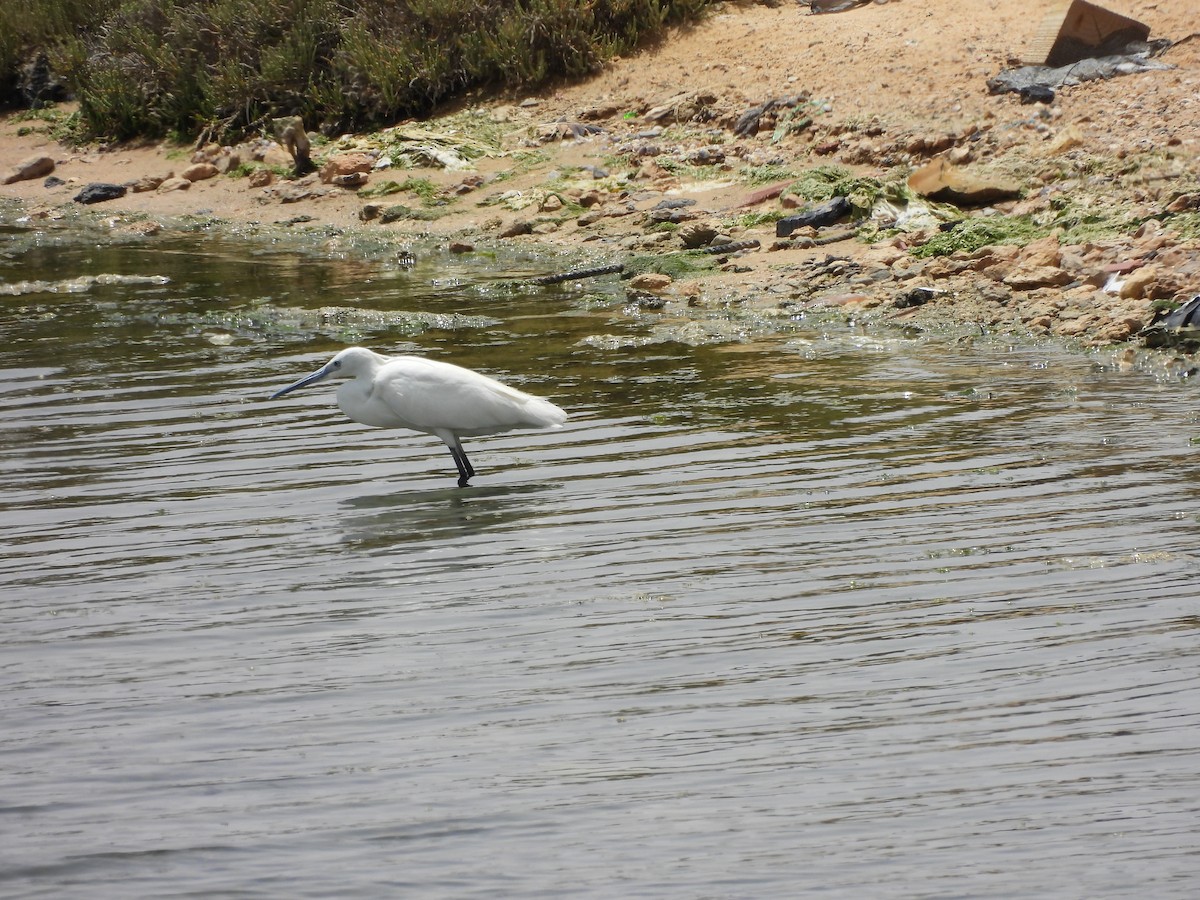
[(337, 363)]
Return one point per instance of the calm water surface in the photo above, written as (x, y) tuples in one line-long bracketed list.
[(829, 613)]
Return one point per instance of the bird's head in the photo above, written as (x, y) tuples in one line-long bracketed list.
[(351, 362)]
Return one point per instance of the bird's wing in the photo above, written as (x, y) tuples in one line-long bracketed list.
[(431, 396)]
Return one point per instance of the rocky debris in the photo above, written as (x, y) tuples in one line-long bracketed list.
[(705, 156), (100, 192), (689, 106), (767, 116), (673, 211), (222, 158), (1041, 80), (564, 130), (28, 169)]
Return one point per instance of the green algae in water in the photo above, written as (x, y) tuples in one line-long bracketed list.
[(676, 265)]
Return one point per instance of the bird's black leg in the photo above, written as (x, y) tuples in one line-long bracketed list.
[(465, 469)]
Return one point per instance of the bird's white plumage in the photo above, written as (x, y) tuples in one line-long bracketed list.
[(429, 396)]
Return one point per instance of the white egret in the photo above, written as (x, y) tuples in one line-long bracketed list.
[(433, 397)]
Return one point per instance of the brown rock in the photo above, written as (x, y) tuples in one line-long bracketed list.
[(461, 247), (1042, 252), (1183, 203), (1140, 283), (174, 184), (227, 161), (261, 178), (199, 172), (346, 164), (148, 183), (928, 144), (651, 281), (942, 181), (697, 234), (520, 226), (29, 168), (1028, 278)]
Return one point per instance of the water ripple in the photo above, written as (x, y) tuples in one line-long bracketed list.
[(873, 619)]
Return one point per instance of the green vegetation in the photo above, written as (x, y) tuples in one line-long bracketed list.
[(223, 67), (683, 264), (826, 182), (425, 190), (971, 234)]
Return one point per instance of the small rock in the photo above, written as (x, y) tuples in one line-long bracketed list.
[(1139, 283), (705, 156), (146, 184), (99, 192), (520, 226), (199, 172), (917, 296), (1027, 278), (601, 111), (960, 156), (696, 234), (651, 281), (261, 178), (1042, 252), (551, 203), (345, 164), (461, 247), (30, 168), (1183, 203), (350, 179), (174, 184)]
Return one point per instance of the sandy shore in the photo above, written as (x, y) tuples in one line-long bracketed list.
[(654, 154)]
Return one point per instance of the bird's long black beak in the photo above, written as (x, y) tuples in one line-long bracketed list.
[(306, 380)]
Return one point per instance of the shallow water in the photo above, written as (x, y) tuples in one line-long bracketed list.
[(831, 612)]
